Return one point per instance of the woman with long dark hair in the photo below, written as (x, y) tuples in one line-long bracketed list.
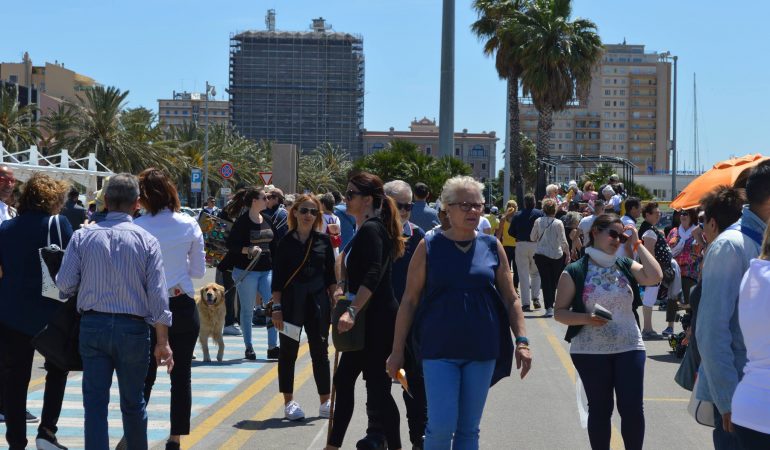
[(184, 258), (367, 262), (251, 244), (303, 285)]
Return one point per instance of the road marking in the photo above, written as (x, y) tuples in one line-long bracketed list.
[(239, 439), (666, 399), (215, 419), (37, 382), (318, 436), (616, 442)]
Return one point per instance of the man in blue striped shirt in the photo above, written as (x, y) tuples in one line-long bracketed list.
[(116, 270)]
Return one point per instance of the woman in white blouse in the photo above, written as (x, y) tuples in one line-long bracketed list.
[(751, 400), (552, 252), (184, 258)]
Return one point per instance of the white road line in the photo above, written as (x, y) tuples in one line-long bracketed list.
[(318, 435)]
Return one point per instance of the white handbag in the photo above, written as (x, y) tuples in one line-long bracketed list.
[(50, 261), (701, 410)]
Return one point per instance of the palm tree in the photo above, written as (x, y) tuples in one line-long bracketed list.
[(17, 126), (558, 56), (58, 127), (325, 169), (496, 19)]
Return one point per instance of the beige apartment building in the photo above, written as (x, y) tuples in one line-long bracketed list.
[(184, 107), (627, 114), (475, 149), (51, 80)]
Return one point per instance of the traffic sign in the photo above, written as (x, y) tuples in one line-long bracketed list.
[(267, 177), (227, 170), (225, 191), (195, 180)]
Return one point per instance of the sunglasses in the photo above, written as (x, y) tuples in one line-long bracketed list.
[(311, 211), (615, 235), (405, 206), (465, 206), (351, 193)]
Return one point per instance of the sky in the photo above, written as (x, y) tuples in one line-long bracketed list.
[(152, 48)]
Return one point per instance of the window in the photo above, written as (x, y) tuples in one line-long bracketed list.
[(567, 135), (483, 166), (427, 150), (615, 81), (184, 112), (606, 92), (606, 114), (559, 146), (622, 125), (552, 146), (607, 103), (176, 113), (622, 92), (614, 114), (478, 151), (614, 92), (13, 79), (457, 151), (614, 125), (471, 165), (622, 103), (615, 103)]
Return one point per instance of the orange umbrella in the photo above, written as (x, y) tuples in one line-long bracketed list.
[(729, 172)]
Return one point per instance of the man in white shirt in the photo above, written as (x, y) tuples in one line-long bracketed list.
[(484, 226), (7, 183), (587, 222)]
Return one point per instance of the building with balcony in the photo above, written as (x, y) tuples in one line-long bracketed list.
[(52, 80), (186, 107), (298, 87), (475, 149), (626, 114)]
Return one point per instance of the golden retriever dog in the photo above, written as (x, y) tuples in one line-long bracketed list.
[(211, 309)]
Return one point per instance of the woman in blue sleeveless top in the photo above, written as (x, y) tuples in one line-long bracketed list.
[(463, 322)]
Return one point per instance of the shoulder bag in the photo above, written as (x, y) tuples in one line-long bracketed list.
[(269, 305), (59, 341), (51, 257)]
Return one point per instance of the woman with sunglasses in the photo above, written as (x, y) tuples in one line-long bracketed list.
[(461, 284), (596, 297), (303, 283), (251, 243), (367, 262)]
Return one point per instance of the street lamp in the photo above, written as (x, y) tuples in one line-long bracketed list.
[(664, 57), (210, 90)]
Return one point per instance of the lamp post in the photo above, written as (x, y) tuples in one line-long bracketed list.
[(665, 56), (209, 91)]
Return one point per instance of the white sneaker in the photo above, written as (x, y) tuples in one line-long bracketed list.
[(324, 411), (292, 411), (548, 312), (232, 330)]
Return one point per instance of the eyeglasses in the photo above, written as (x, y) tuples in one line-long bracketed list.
[(311, 211), (465, 206), (351, 193), (615, 235), (405, 206), (8, 180)]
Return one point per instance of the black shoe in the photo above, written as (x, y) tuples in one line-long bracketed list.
[(526, 308), (47, 441), (122, 444), (536, 303), (371, 442), (250, 355), (272, 353), (171, 445)]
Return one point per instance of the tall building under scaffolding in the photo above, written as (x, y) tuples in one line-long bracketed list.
[(294, 87)]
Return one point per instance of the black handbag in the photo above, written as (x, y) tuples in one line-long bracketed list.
[(354, 339), (59, 341)]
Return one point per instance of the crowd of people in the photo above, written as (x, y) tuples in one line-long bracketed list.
[(422, 293)]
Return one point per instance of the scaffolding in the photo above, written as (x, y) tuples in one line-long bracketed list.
[(302, 88)]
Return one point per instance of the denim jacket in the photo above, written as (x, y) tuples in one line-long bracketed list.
[(718, 334)]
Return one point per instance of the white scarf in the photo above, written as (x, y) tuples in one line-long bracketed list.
[(685, 234), (601, 258)]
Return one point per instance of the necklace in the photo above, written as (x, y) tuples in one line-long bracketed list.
[(463, 247)]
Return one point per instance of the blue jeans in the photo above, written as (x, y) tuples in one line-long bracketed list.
[(253, 283), (108, 343), (456, 391), (621, 374)]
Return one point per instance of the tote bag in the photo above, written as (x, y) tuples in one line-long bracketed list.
[(51, 257)]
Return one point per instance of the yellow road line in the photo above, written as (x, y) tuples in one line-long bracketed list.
[(37, 382), (616, 442), (275, 404), (215, 419)]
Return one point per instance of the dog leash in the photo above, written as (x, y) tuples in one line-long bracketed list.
[(246, 271)]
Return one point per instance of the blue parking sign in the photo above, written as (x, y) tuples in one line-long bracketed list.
[(195, 180)]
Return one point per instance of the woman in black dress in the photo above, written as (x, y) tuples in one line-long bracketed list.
[(367, 260), (303, 284)]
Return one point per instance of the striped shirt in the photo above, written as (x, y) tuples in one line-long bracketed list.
[(116, 267)]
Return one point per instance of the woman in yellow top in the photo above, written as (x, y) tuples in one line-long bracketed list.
[(509, 242)]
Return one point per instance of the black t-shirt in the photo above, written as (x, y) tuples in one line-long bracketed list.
[(246, 233)]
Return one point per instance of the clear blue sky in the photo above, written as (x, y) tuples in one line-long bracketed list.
[(154, 47)]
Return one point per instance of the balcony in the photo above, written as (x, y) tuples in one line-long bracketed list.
[(649, 104), (644, 94), (591, 124), (587, 136), (642, 127), (580, 148)]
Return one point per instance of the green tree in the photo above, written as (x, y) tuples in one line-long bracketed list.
[(17, 128), (325, 169), (403, 160), (496, 25), (58, 127), (558, 56)]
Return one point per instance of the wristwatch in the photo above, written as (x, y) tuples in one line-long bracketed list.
[(522, 340), (352, 312), (276, 308)]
